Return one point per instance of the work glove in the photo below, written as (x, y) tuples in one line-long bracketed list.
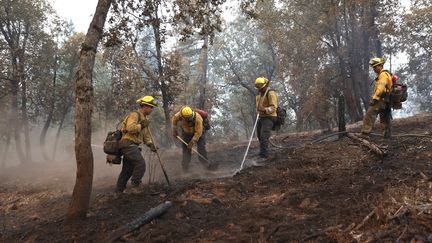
[(268, 110), (144, 123), (373, 102), (152, 147), (191, 144), (174, 133)]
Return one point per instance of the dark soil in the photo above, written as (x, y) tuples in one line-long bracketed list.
[(319, 192)]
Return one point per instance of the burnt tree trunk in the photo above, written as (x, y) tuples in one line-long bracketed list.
[(341, 114), (42, 138), (58, 132), (83, 110), (202, 77), (15, 119), (160, 79)]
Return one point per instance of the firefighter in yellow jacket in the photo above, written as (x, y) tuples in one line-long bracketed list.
[(193, 132), (134, 132), (380, 102), (266, 107)]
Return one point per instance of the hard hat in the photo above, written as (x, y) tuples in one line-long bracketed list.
[(376, 61), (261, 82), (187, 113), (147, 100)]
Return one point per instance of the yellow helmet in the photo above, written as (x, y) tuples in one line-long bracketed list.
[(147, 100), (376, 61), (187, 113), (261, 82)]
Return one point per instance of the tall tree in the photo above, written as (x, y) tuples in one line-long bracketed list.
[(19, 22), (83, 112)]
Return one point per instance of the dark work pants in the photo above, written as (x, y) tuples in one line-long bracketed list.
[(133, 165), (187, 153), (264, 128)]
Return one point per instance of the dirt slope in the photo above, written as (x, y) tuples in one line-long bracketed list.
[(319, 192)]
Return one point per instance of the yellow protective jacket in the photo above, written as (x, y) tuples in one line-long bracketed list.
[(383, 85), (194, 127), (132, 131), (267, 106)]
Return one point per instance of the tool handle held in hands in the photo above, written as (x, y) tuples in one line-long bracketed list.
[(183, 141)]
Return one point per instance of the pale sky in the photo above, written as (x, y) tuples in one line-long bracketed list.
[(79, 11)]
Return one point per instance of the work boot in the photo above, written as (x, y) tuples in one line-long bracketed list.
[(136, 189)]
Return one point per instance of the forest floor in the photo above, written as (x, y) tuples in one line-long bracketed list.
[(335, 190)]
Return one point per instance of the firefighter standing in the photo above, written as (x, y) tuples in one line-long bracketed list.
[(134, 132), (266, 107), (192, 133), (380, 102)]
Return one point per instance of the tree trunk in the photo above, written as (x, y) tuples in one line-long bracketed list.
[(161, 82), (203, 73), (25, 121), (15, 120), (83, 110), (6, 149), (341, 114), (47, 124), (58, 133)]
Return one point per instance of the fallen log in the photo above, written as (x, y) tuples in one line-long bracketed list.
[(368, 144), (140, 221)]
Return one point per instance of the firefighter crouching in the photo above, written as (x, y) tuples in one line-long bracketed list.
[(193, 132), (380, 102)]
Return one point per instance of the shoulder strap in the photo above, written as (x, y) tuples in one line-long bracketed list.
[(123, 121), (268, 94)]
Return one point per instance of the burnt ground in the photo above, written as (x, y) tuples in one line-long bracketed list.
[(320, 192)]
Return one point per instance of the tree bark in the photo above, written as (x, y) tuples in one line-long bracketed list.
[(83, 110), (203, 73), (160, 79), (341, 114), (58, 133)]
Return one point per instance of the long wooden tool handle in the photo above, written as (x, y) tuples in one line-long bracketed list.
[(183, 141), (160, 160)]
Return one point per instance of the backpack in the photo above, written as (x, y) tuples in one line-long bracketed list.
[(205, 117), (110, 145), (280, 118), (399, 92), (281, 115)]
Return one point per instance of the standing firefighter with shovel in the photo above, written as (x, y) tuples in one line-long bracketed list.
[(193, 132)]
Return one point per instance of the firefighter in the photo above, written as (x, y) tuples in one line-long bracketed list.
[(192, 128), (266, 107), (134, 132), (380, 102)]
